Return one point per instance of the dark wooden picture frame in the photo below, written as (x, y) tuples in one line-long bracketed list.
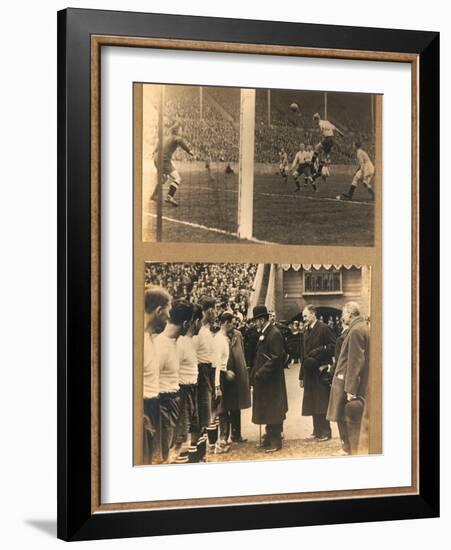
[(81, 34)]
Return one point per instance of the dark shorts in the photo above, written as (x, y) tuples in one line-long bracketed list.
[(169, 413), (151, 430), (206, 376), (188, 420), (303, 169), (327, 144), (205, 387)]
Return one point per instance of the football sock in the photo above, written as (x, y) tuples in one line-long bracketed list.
[(296, 181), (351, 190), (172, 190)]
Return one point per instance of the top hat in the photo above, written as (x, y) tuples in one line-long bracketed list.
[(259, 311)]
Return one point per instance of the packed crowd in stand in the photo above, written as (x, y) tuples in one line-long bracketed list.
[(218, 141), (204, 352), (230, 285), (215, 136)]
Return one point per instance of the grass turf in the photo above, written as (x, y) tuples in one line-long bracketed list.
[(281, 215)]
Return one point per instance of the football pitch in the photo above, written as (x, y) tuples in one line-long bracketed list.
[(208, 210)]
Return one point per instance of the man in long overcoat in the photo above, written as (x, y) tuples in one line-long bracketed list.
[(350, 381), (319, 348), (270, 403), (250, 343), (235, 388)]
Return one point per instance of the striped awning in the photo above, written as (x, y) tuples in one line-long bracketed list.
[(317, 267)]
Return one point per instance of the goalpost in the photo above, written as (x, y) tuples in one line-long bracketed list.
[(159, 229), (246, 164)]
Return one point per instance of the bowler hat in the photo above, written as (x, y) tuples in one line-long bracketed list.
[(259, 311)]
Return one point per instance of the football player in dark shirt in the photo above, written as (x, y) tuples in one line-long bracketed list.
[(170, 145)]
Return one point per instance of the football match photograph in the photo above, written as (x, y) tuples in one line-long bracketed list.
[(256, 361), (269, 166)]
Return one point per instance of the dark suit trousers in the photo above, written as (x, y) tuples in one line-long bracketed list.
[(273, 434), (230, 424), (321, 426), (343, 431)]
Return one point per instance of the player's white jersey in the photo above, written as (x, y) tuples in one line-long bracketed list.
[(302, 157), (327, 128), (308, 156), (365, 164)]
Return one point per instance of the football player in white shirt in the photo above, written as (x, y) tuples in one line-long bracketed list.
[(220, 361), (364, 174), (188, 421), (204, 350), (157, 303), (327, 130), (301, 165), (165, 345), (309, 153)]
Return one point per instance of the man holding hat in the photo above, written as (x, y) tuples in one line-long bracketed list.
[(270, 402), (350, 381), (319, 348)]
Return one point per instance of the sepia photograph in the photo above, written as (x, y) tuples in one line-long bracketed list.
[(238, 300), (247, 361), (268, 166)]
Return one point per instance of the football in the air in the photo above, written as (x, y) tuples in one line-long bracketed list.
[(294, 107), (338, 197)]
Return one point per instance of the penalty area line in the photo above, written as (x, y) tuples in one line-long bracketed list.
[(294, 196), (313, 198), (206, 228)]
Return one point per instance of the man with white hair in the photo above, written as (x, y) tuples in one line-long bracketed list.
[(350, 381)]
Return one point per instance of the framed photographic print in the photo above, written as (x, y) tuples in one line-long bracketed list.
[(248, 269)]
